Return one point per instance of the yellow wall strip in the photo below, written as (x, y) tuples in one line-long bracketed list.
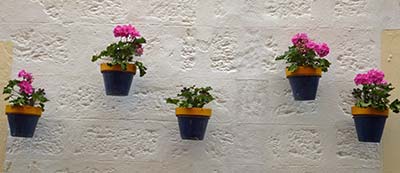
[(390, 63), (5, 70)]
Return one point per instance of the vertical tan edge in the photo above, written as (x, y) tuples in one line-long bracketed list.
[(5, 73), (390, 63)]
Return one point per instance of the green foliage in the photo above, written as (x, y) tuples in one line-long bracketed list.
[(375, 96), (122, 53), (296, 58), (142, 68), (15, 98), (192, 97), (395, 106)]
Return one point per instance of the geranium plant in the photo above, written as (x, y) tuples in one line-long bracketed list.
[(305, 52), (123, 52), (192, 117), (192, 97), (374, 92), (21, 93)]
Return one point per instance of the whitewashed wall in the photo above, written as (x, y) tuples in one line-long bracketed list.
[(229, 44)]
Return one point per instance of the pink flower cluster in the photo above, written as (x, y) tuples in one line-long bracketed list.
[(126, 31), (26, 84), (373, 76), (322, 49), (302, 41)]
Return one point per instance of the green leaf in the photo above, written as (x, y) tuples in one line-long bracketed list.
[(41, 106), (142, 68), (280, 57), (7, 90), (95, 58), (123, 66), (172, 101), (395, 106), (140, 40), (292, 67), (192, 97), (364, 104)]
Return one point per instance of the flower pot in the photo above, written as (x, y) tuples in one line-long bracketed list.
[(22, 120), (304, 82), (369, 123), (116, 81), (193, 122)]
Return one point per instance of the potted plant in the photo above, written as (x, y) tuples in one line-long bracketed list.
[(120, 68), (306, 64), (26, 105), (372, 105), (192, 117)]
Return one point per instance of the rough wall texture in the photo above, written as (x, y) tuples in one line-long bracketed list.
[(228, 44)]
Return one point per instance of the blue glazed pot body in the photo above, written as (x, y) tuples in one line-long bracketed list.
[(304, 87), (22, 125), (117, 83), (192, 127), (369, 127)]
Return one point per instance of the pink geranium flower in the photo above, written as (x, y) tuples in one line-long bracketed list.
[(376, 76), (118, 31), (311, 45), (132, 31), (25, 87), (373, 76), (300, 39), (25, 75), (361, 79), (322, 49), (383, 82), (126, 31)]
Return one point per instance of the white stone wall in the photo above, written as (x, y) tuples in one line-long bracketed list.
[(229, 44)]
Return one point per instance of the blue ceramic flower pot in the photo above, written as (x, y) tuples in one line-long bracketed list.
[(192, 127), (22, 125), (369, 122), (22, 120), (304, 87), (117, 82), (369, 128), (304, 82), (193, 122)]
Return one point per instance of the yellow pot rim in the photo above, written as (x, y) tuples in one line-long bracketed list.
[(24, 110), (358, 111), (130, 68), (304, 71), (204, 112)]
